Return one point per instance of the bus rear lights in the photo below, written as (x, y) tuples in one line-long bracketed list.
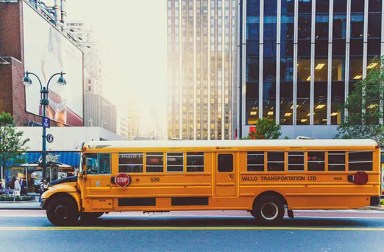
[(359, 178)]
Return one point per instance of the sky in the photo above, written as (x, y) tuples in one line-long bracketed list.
[(132, 38)]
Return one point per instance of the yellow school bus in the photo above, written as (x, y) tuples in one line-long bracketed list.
[(268, 178)]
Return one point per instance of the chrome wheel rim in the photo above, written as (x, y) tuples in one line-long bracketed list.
[(269, 211)]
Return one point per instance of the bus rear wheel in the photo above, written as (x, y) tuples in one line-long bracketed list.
[(62, 211), (268, 210)]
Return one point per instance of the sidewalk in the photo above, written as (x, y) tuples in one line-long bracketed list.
[(24, 205)]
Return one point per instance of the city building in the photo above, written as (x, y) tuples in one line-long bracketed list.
[(98, 110), (301, 58), (202, 63), (32, 39)]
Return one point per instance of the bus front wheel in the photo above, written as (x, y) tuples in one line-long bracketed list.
[(268, 210), (62, 211)]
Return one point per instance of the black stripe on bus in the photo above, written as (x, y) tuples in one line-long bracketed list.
[(137, 202), (190, 201)]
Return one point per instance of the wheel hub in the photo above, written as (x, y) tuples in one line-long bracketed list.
[(269, 211), (61, 211)]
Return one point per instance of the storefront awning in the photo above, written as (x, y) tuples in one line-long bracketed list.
[(70, 158)]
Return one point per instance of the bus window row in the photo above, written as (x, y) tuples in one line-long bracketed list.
[(313, 160), (154, 162), (134, 162)]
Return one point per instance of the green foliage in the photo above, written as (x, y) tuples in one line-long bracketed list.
[(363, 106), (17, 198), (265, 129), (12, 143)]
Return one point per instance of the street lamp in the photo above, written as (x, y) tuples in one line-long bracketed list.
[(44, 102)]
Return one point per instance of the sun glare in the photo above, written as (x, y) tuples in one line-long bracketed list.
[(132, 40)]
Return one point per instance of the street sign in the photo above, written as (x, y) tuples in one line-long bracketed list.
[(46, 122), (50, 138), (122, 180)]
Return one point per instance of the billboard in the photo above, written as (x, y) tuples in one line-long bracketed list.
[(46, 52)]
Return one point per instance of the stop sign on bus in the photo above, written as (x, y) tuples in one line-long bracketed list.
[(122, 180)]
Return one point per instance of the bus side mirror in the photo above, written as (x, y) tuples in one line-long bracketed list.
[(82, 176)]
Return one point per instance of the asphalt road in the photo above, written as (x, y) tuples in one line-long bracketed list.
[(26, 230)]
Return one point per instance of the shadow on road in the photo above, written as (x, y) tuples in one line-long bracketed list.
[(220, 222)]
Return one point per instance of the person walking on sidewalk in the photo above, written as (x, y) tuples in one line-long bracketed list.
[(17, 187)]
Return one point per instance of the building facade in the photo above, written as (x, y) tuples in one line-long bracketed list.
[(98, 110), (301, 59), (202, 63), (21, 46)]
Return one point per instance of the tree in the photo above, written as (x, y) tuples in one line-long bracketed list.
[(364, 108), (11, 142), (265, 129)]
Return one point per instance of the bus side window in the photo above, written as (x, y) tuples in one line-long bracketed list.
[(275, 161), (225, 163), (255, 161), (316, 161), (175, 162), (131, 162), (92, 164), (154, 162), (360, 161), (295, 161), (105, 164), (336, 161), (195, 161)]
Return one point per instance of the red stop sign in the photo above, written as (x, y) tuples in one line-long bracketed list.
[(122, 179)]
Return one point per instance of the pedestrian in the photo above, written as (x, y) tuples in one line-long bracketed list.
[(23, 185), (43, 188), (12, 183), (17, 187)]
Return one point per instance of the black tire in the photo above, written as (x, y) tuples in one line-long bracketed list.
[(62, 211), (268, 210), (90, 216)]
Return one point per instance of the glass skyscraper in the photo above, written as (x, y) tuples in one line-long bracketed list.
[(301, 59), (202, 64)]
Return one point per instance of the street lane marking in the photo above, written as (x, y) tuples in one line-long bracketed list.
[(187, 228)]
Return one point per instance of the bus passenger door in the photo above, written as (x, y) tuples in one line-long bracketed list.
[(98, 180), (225, 174)]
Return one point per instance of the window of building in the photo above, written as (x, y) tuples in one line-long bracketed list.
[(154, 162), (303, 104), (131, 162), (336, 161), (275, 161), (255, 161), (295, 161), (337, 100), (286, 107), (175, 162), (320, 104), (316, 161), (360, 161), (195, 162), (356, 68)]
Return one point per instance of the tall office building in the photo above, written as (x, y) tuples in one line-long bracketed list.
[(301, 59), (202, 63), (98, 110)]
